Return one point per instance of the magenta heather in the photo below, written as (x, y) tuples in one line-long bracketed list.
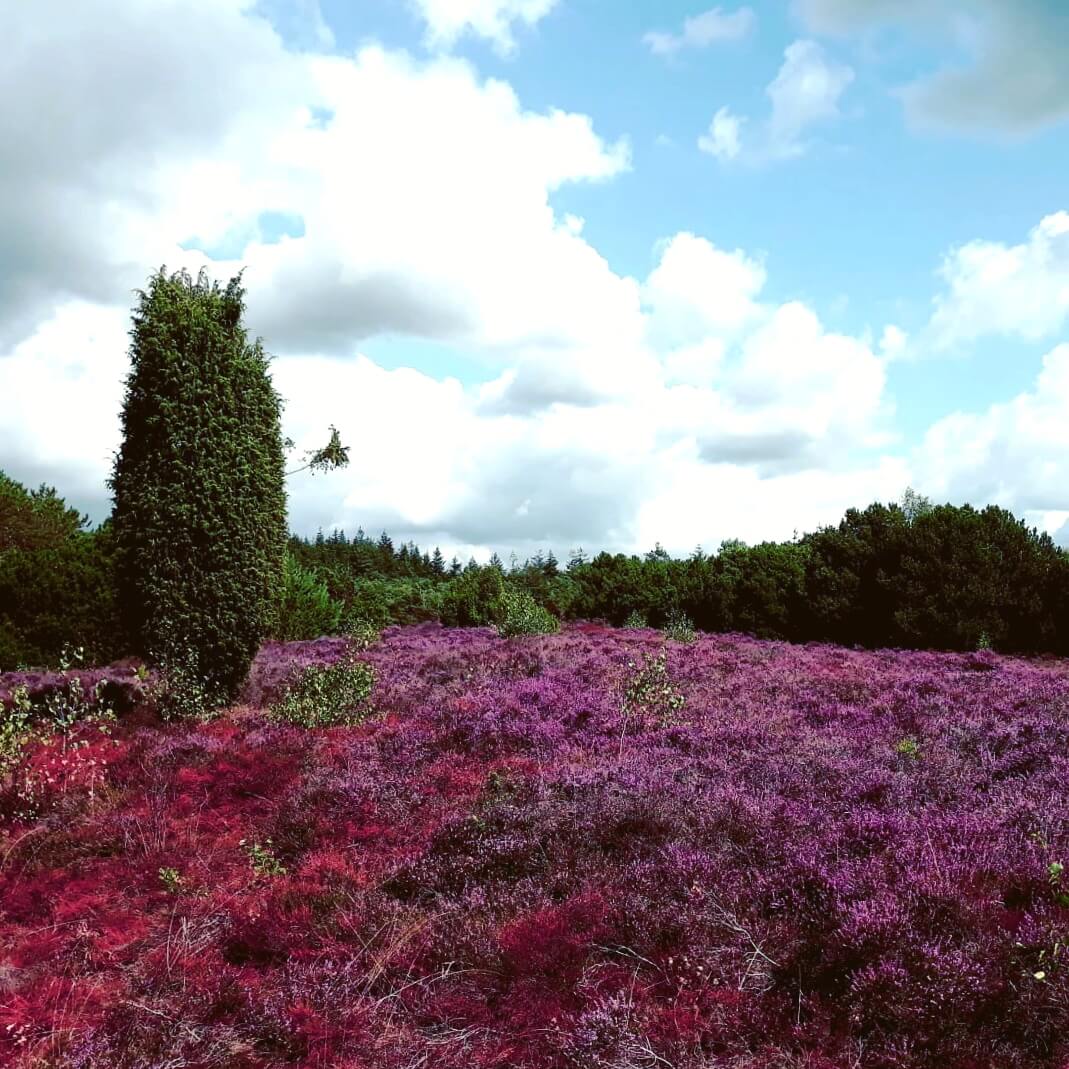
[(824, 858)]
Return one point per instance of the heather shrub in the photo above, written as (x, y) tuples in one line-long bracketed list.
[(307, 610), (328, 695), (200, 520), (519, 614), (39, 738)]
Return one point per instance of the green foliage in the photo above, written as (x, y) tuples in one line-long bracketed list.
[(381, 602), (908, 747), (333, 455), (635, 621), (34, 519), (57, 581), (1059, 885), (679, 628), (198, 482), (472, 599), (650, 693), (262, 858), (363, 635), (57, 721), (171, 879), (182, 691), (328, 695), (519, 614), (307, 610)]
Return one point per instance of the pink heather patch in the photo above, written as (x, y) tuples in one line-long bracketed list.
[(824, 858)]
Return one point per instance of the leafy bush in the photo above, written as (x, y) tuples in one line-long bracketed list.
[(328, 695), (651, 692), (307, 610), (182, 690), (200, 510), (519, 614), (635, 621), (472, 599), (679, 628), (382, 602)]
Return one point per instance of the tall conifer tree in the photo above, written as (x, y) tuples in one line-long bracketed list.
[(200, 505)]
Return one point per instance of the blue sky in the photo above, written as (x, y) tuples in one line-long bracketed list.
[(857, 227), (566, 270)]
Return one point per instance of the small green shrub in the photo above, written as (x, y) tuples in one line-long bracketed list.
[(328, 695), (635, 621), (307, 610), (182, 692), (381, 602), (362, 634), (908, 747), (649, 691), (472, 599), (171, 879), (519, 614), (262, 858), (679, 628)]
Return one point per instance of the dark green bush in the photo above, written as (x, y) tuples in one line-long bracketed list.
[(307, 609), (200, 518)]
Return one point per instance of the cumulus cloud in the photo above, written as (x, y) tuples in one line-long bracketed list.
[(701, 31), (804, 94), (697, 290), (1017, 290), (89, 175), (723, 138), (1015, 453), (493, 20), (424, 197), (1014, 79)]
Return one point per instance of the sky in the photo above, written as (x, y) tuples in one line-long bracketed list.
[(563, 273)]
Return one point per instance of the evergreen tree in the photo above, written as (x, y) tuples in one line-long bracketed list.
[(200, 504), (438, 562), (455, 568)]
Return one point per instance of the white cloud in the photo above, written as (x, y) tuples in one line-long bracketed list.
[(494, 20), (1018, 290), (1015, 453), (722, 139), (425, 198), (697, 290), (1016, 80), (701, 31), (804, 94)]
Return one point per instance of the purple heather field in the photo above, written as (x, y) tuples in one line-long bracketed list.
[(557, 851)]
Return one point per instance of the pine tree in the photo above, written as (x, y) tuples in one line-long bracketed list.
[(200, 504), (438, 562)]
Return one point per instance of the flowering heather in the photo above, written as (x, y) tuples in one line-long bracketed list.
[(754, 856)]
